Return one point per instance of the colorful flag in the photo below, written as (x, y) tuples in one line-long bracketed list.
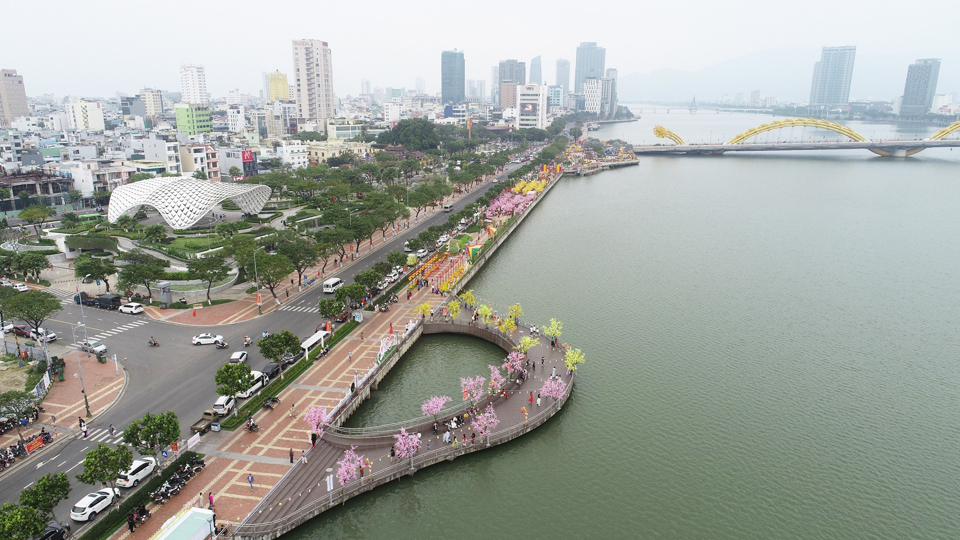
[(474, 251), (491, 231)]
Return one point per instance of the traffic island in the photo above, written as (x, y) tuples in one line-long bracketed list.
[(103, 382)]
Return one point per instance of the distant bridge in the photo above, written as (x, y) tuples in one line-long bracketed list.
[(889, 148)]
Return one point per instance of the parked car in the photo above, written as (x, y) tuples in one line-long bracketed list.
[(22, 330), (87, 508), (444, 238), (132, 308), (271, 370), (44, 335), (206, 339), (289, 359), (94, 347), (238, 357), (406, 247), (53, 532), (6, 283), (7, 326), (421, 253), (224, 405), (206, 422), (21, 287), (108, 301), (259, 381), (85, 299), (139, 470)]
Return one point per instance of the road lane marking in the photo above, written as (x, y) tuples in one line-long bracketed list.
[(60, 465), (28, 485), (74, 324), (74, 467)]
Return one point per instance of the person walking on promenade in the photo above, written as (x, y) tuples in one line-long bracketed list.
[(473, 439), (250, 479), (291, 455), (538, 399), (554, 376), (531, 398), (131, 522), (112, 431), (200, 500), (210, 496), (303, 456), (393, 454), (349, 355), (293, 410)]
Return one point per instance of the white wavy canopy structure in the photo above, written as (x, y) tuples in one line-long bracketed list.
[(182, 201)]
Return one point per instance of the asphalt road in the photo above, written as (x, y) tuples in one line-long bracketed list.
[(177, 376)]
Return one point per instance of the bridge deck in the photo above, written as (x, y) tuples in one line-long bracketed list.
[(888, 145)]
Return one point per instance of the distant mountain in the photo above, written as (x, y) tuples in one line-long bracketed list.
[(782, 73)]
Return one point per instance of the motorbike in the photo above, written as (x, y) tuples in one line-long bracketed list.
[(251, 427), (270, 403), (154, 343), (221, 345), (247, 342), (383, 308)]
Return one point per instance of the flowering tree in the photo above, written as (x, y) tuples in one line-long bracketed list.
[(513, 363), (496, 379), (553, 387), (453, 308), (554, 330), (406, 446), (349, 466), (316, 418), (468, 298), (486, 313), (515, 312), (484, 422), (527, 343), (508, 325), (472, 388), (434, 405), (573, 358), (423, 309)]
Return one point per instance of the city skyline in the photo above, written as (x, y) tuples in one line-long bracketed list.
[(626, 39)]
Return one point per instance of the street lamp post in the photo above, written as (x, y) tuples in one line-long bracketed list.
[(256, 276), (83, 388), (83, 322)]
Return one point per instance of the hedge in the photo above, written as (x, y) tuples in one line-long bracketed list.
[(116, 519), (258, 219), (289, 376), (91, 242)]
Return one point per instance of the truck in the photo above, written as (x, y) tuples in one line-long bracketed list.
[(85, 298), (109, 301), (206, 422)]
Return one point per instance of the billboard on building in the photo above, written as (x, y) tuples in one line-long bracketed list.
[(247, 156), (528, 108)]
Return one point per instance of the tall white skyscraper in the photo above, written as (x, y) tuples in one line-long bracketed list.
[(313, 76), (832, 76), (193, 85)]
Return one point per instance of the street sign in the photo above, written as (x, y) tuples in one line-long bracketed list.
[(163, 453)]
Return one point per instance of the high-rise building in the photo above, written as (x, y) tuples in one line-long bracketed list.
[(153, 100), (85, 115), (13, 97), (591, 61), (193, 118), (364, 87), (563, 74), (531, 106), (920, 87), (421, 86), (513, 71), (495, 84), (236, 118), (593, 95), (508, 95), (832, 76), (453, 76), (278, 89), (610, 92), (555, 95), (313, 73), (536, 77), (193, 85)]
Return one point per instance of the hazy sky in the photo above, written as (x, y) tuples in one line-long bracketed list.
[(97, 48)]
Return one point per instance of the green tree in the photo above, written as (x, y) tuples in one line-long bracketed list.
[(368, 278), (300, 251), (200, 175), (235, 171), (417, 135), (96, 267), (154, 233), (360, 227), (208, 269), (397, 258), (418, 200), (18, 404), (102, 197), (32, 263), (576, 132), (46, 494), (274, 346), (227, 229), (141, 269), (271, 270), (5, 193), (24, 197), (126, 222), (33, 307), (240, 248), (383, 268), (36, 215), (105, 464), (74, 195), (330, 307), (354, 292), (152, 433), (337, 238), (69, 220), (233, 378), (6, 293), (20, 522), (139, 176)]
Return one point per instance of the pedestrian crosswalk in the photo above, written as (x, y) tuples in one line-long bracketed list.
[(103, 435), (114, 331), (299, 309)]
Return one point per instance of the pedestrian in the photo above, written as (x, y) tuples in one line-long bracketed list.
[(393, 454), (531, 398), (435, 430), (111, 431), (250, 479), (291, 281), (350, 355), (313, 439), (214, 521), (361, 336), (473, 438), (464, 439), (554, 375), (200, 500), (291, 455), (288, 292), (210, 496), (534, 366), (293, 412), (538, 399), (86, 431), (80, 422), (542, 360), (131, 522), (303, 456)]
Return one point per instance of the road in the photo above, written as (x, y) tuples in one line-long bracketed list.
[(177, 376)]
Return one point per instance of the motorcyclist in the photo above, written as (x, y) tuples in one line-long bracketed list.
[(153, 341), (247, 340)]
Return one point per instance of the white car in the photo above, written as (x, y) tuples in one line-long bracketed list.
[(444, 238), (421, 253), (21, 287), (132, 308), (87, 508), (393, 276), (44, 335), (94, 347), (7, 326), (140, 469), (206, 339), (224, 405), (238, 357), (6, 283)]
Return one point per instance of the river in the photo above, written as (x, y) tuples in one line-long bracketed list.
[(771, 352)]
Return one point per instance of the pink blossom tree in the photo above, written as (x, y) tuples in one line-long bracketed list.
[(406, 446), (553, 388), (349, 466), (433, 406), (496, 379), (316, 418), (484, 422), (513, 363), (472, 388)]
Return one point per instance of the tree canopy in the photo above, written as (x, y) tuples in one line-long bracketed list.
[(415, 134)]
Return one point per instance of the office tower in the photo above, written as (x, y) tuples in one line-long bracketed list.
[(832, 76), (421, 86), (278, 89), (512, 71), (313, 76), (591, 61), (453, 75), (536, 77), (153, 100), (920, 87), (193, 85), (193, 118), (364, 87), (531, 106), (610, 92), (555, 95), (494, 84), (85, 115), (13, 97), (563, 75)]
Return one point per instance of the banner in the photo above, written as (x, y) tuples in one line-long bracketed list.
[(474, 251), (34, 444), (192, 441)]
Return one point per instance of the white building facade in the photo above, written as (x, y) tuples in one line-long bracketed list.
[(85, 115), (294, 154), (193, 85), (313, 78), (531, 106)]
